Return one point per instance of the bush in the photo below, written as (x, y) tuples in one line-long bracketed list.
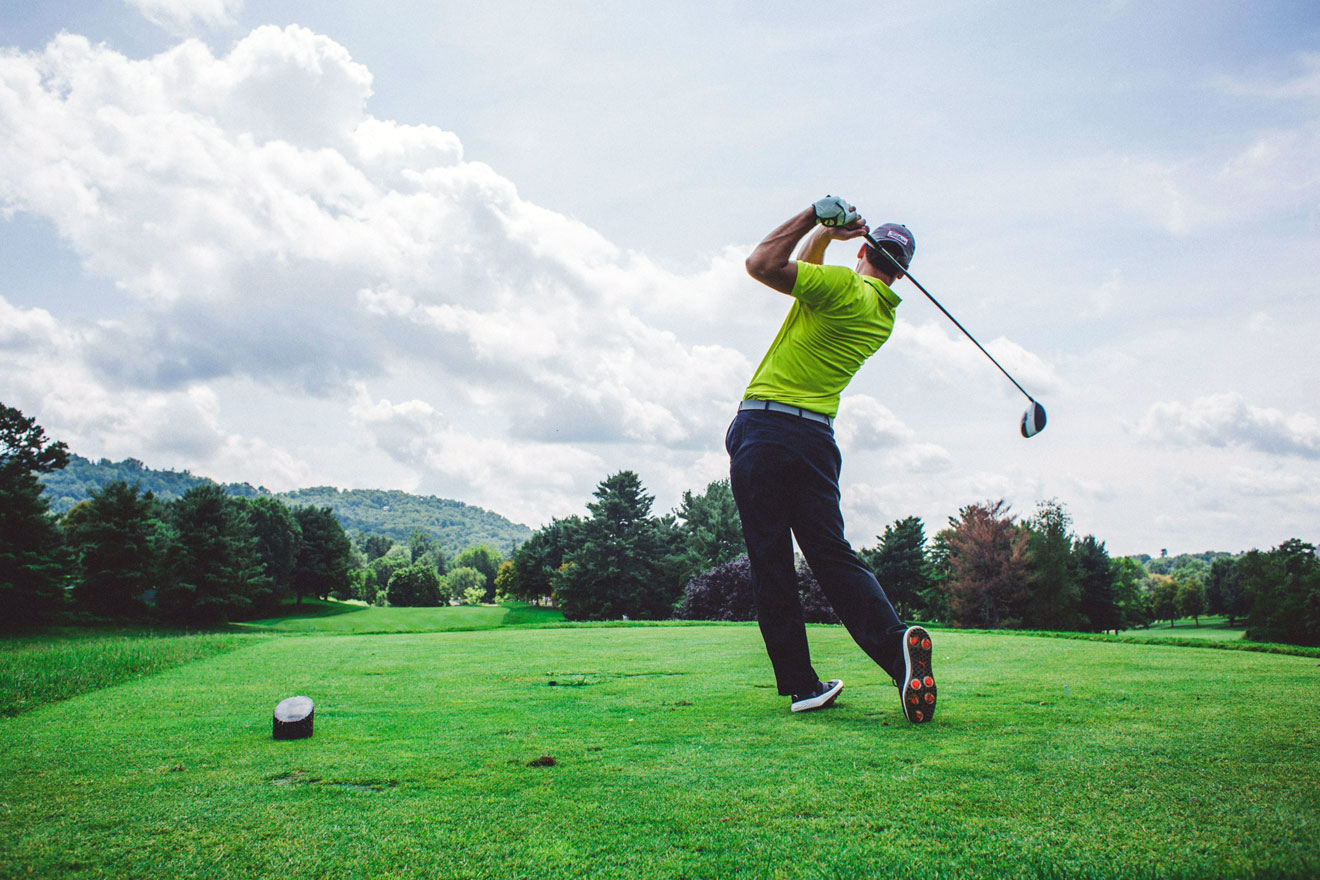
[(726, 593), (415, 586), (467, 585), (723, 593)]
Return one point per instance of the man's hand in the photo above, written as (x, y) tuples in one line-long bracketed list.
[(833, 211)]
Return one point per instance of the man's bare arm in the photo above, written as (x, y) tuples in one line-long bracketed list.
[(771, 262)]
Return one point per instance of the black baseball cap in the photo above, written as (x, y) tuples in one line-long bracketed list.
[(900, 237)]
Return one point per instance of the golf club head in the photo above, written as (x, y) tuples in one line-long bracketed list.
[(1033, 420)]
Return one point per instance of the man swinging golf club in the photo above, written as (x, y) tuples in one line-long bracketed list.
[(784, 464)]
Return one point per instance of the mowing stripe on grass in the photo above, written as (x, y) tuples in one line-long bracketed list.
[(38, 670)]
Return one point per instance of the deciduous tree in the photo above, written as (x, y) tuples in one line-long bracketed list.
[(988, 565)]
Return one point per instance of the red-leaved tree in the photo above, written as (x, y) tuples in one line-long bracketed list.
[(988, 566)]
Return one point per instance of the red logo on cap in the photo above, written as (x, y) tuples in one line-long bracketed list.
[(896, 236)]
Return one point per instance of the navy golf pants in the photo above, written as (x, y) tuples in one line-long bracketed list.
[(784, 471)]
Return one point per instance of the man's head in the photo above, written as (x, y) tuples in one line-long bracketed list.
[(898, 243)]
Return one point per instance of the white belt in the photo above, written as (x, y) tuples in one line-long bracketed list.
[(776, 406)]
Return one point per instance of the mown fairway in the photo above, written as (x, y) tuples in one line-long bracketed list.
[(671, 758)]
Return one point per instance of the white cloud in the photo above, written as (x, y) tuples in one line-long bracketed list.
[(1301, 84), (1228, 420), (264, 227), (180, 16)]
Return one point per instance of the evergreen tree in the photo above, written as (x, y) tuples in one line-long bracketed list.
[(1284, 585), (279, 538), (627, 562), (375, 546), (900, 564), (325, 556), (711, 529), (1055, 592), (1096, 580), (32, 561), (120, 547), (217, 573)]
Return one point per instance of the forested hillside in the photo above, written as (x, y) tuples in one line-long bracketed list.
[(454, 525), (457, 526)]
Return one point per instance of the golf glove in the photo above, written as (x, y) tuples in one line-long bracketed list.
[(834, 211)]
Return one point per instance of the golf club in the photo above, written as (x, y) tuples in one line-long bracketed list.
[(1033, 420)]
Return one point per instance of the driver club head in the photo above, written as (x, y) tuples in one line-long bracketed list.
[(1033, 420)]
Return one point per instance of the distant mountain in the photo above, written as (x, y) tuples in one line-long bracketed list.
[(455, 525)]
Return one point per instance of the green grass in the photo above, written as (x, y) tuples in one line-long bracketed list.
[(46, 668), (341, 617), (1209, 628), (672, 757)]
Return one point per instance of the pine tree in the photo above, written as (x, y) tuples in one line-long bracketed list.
[(711, 529), (1096, 580), (626, 563), (217, 572), (32, 561), (1055, 593), (279, 538), (900, 565), (120, 544)]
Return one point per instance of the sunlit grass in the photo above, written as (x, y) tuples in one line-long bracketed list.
[(663, 751)]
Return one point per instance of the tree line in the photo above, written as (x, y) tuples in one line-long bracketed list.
[(987, 569), (208, 556), (204, 557)]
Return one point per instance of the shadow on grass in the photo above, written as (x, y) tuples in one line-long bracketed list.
[(309, 609)]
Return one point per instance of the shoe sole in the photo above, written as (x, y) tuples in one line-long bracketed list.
[(919, 691), (818, 702)]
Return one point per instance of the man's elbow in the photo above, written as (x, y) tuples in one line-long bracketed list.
[(759, 267)]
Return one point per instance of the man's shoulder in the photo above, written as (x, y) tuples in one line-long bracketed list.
[(818, 285)]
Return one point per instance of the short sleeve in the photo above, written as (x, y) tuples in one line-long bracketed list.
[(825, 288)]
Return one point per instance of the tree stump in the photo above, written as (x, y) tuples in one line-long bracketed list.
[(293, 718)]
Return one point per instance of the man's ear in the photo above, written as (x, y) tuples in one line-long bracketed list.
[(861, 251)]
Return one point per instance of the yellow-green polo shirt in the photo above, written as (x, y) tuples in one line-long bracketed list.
[(837, 321)]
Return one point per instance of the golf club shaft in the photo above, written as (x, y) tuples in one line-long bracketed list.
[(875, 244)]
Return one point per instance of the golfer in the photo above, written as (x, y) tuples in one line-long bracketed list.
[(784, 464)]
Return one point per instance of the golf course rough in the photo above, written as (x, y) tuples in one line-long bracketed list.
[(665, 752)]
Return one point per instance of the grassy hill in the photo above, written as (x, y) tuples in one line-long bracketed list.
[(663, 751), (455, 525)]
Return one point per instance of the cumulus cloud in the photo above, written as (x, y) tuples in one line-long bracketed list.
[(949, 356), (262, 226), (867, 424), (1229, 421)]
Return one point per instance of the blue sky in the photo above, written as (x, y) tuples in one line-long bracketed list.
[(495, 253)]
